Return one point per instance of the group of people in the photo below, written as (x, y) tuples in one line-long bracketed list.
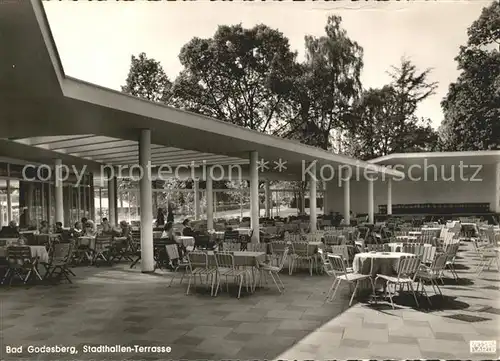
[(160, 217)]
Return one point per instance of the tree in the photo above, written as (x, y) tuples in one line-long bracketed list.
[(472, 105), (147, 79), (239, 76), (383, 121), (325, 86)]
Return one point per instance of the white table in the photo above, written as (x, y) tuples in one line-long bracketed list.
[(244, 231), (186, 241), (394, 246), (385, 263)]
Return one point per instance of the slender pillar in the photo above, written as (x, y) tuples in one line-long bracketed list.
[(313, 182), (215, 204), (112, 200), (254, 196), (371, 218), (347, 201), (100, 204), (268, 199), (325, 199), (9, 202), (241, 203), (58, 189), (2, 214), (196, 188), (146, 192), (389, 196), (129, 208), (210, 200), (496, 193)]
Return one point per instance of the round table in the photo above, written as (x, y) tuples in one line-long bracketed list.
[(385, 263), (398, 247)]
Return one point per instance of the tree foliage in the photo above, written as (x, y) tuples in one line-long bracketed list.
[(383, 121), (472, 105), (147, 79), (325, 86), (239, 75)]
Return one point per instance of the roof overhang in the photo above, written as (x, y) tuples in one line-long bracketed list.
[(62, 117), (440, 158)]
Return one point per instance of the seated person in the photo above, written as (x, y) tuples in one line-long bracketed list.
[(89, 230), (10, 231), (44, 227), (106, 227), (58, 228), (169, 237), (77, 230), (126, 230), (187, 230)]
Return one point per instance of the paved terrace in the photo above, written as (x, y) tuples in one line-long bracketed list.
[(120, 306)]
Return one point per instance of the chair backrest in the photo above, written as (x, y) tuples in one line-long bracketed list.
[(202, 241), (338, 265), (18, 254), (332, 239), (62, 252), (231, 236), (452, 249), (325, 263), (257, 247), (439, 263), (408, 266), (374, 248), (224, 260), (172, 251), (300, 248), (197, 259), (340, 251), (278, 246), (103, 241), (428, 254), (284, 255), (231, 246)]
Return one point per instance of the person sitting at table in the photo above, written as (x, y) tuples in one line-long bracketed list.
[(10, 231), (126, 229), (106, 227), (170, 238), (58, 229), (187, 230), (77, 230), (44, 227), (84, 221), (90, 230)]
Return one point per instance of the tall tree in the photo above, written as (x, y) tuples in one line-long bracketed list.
[(147, 79), (239, 75), (383, 121), (472, 106), (325, 86)]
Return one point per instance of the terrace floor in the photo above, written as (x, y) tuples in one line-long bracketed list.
[(117, 306)]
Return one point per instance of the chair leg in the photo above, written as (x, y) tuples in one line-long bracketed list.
[(189, 283), (390, 294), (280, 281), (330, 290), (335, 290), (354, 293), (241, 282), (425, 292), (410, 285), (276, 283), (172, 278)]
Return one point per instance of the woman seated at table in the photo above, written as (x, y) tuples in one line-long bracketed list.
[(170, 238), (90, 230), (58, 229), (10, 231), (44, 227), (77, 230), (126, 230), (106, 227), (187, 230)]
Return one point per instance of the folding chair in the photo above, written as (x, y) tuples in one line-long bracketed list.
[(60, 261), (227, 268), (274, 271), (21, 264), (173, 255), (103, 249)]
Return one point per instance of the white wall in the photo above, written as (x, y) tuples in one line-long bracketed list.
[(485, 190)]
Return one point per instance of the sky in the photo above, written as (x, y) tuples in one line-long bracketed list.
[(95, 40)]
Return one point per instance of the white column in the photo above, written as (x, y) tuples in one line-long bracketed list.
[(9, 202), (496, 193), (59, 192), (371, 218), (215, 204), (146, 195), (254, 196), (268, 198), (347, 201), (129, 208), (196, 189), (112, 199), (210, 199), (389, 196), (325, 199), (2, 214), (313, 218)]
